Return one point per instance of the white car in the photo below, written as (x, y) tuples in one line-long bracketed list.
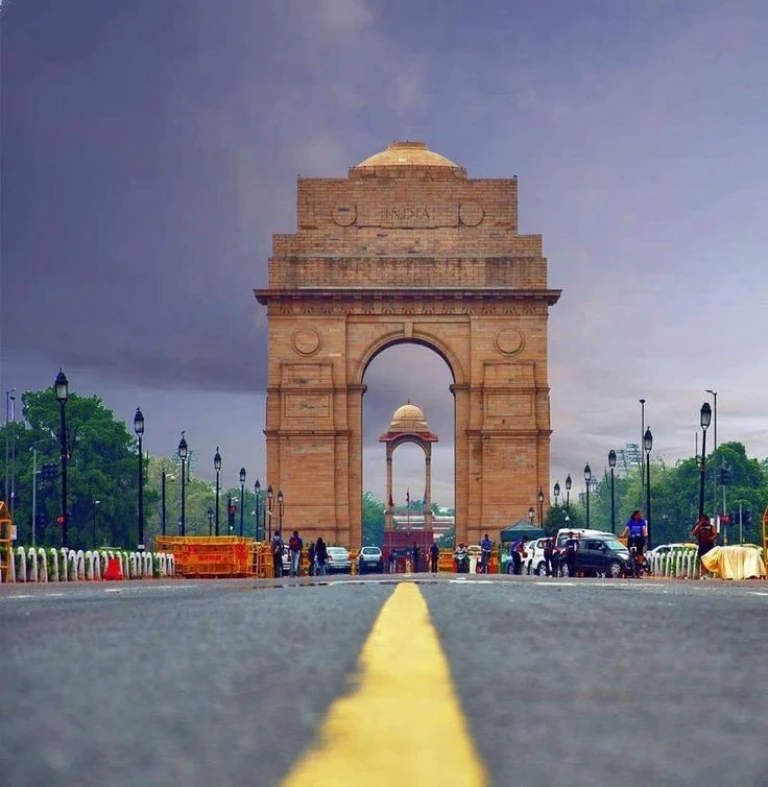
[(535, 563), (339, 561), (370, 559)]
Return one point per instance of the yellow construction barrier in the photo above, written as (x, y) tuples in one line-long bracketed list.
[(206, 556)]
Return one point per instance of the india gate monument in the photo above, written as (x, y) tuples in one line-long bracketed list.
[(407, 248)]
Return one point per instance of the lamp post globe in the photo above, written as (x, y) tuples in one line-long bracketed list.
[(217, 468), (257, 507), (612, 465), (270, 495), (648, 446), (242, 498), (280, 503), (568, 487), (62, 394), (587, 481), (531, 514), (556, 490), (540, 498), (183, 451), (705, 418), (138, 428)]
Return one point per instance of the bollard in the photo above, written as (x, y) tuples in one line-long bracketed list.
[(21, 565), (32, 565), (42, 565)]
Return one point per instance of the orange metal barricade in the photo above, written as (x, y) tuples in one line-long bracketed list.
[(205, 556)]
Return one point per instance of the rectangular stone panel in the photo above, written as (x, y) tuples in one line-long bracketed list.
[(308, 405), (409, 214), (518, 375), (307, 374)]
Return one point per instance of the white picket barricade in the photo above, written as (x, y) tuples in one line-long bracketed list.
[(42, 565)]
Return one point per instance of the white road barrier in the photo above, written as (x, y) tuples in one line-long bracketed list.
[(30, 564)]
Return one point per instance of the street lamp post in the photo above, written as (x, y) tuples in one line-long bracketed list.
[(540, 498), (568, 485), (280, 505), (242, 498), (183, 452), (95, 503), (612, 465), (256, 507), (648, 445), (138, 427), (270, 493), (62, 394), (588, 481), (217, 467), (714, 454), (557, 492), (642, 437), (211, 514), (531, 515), (705, 416)]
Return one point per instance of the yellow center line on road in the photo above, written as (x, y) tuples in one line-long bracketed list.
[(402, 724)]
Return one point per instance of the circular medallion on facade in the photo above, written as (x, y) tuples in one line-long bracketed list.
[(471, 213), (306, 341), (510, 341), (344, 214)]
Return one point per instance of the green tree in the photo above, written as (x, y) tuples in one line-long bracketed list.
[(555, 518), (102, 465), (373, 520)]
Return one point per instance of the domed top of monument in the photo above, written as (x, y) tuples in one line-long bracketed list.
[(409, 154), (408, 418)]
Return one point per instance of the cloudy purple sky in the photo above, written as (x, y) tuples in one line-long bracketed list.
[(150, 149)]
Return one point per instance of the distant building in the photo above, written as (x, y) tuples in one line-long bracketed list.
[(441, 523), (628, 458)]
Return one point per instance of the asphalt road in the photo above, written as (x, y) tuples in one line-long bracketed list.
[(561, 682)]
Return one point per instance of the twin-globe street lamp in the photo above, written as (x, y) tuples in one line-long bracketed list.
[(62, 394), (138, 427), (706, 419)]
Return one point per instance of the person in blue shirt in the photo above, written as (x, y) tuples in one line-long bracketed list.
[(636, 531), (486, 546)]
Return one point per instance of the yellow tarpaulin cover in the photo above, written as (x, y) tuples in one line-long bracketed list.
[(734, 562)]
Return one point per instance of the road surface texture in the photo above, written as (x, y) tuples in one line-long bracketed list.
[(516, 681)]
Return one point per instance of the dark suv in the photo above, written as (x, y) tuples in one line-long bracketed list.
[(598, 556)]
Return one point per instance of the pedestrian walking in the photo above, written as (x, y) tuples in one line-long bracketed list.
[(571, 548), (549, 549), (706, 535), (486, 547), (311, 558), (277, 554), (434, 554), (321, 557), (415, 558), (392, 561), (518, 553), (295, 545)]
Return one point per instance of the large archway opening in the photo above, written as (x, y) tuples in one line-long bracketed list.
[(397, 374)]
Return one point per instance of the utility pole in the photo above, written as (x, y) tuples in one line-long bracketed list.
[(34, 494)]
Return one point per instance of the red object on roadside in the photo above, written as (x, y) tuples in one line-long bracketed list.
[(114, 569)]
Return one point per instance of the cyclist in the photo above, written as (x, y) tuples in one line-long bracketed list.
[(485, 561), (706, 534), (636, 531)]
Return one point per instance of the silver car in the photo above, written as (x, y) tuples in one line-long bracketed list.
[(370, 559)]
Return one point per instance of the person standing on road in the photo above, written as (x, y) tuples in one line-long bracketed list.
[(295, 545), (415, 558), (277, 554), (571, 548), (311, 558), (392, 561), (434, 553), (486, 546), (321, 556), (518, 553), (706, 534), (549, 551)]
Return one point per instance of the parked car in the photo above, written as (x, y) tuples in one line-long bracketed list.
[(370, 559), (601, 555), (339, 561)]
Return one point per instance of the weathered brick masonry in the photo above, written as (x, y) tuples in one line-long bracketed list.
[(407, 249)]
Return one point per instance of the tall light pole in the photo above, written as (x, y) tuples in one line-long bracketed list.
[(217, 467), (705, 416), (714, 454), (612, 465), (648, 445), (280, 504), (540, 498), (242, 498), (642, 437), (183, 453), (568, 485), (556, 490), (588, 481), (138, 427), (256, 507), (62, 394), (270, 493), (95, 503)]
